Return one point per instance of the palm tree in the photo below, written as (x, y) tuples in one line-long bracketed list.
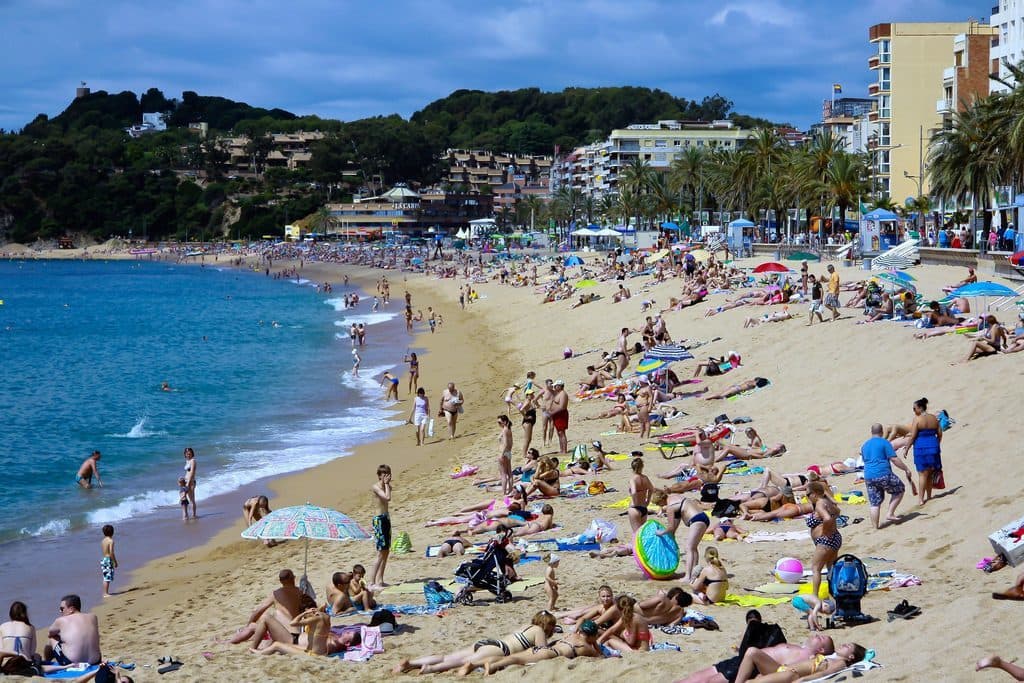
[(846, 181), (534, 209), (609, 208), (687, 174), (636, 179)]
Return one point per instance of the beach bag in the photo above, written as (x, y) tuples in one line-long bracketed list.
[(596, 488), (435, 594), (726, 507), (945, 421), (709, 493), (938, 480), (402, 543)]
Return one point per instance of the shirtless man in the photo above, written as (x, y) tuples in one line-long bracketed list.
[(74, 635), (560, 414), (381, 526), (451, 404), (88, 470), (784, 653), (337, 592), (287, 604), (622, 360)]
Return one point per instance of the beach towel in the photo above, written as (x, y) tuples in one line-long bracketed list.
[(769, 536), (408, 609), (751, 600), (854, 669), (370, 643), (416, 587), (73, 672)]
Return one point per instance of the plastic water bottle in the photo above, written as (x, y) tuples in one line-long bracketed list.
[(430, 428)]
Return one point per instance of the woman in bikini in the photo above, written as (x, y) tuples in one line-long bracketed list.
[(712, 583), (631, 632), (640, 491), (545, 480), (18, 636), (989, 343), (824, 533), (797, 481), (767, 498), (582, 643), (317, 639), (736, 389), (757, 665), (725, 528), (543, 522), (456, 545), (414, 372), (535, 634), (692, 515), (785, 511)]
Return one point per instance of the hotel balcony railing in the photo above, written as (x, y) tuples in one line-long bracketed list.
[(873, 89), (873, 62), (943, 106)]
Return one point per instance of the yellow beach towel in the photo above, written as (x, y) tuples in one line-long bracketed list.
[(751, 600)]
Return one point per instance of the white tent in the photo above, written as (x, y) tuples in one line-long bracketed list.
[(462, 234), (482, 225), (608, 232), (584, 232)]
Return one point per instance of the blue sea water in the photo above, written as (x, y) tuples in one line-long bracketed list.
[(255, 364)]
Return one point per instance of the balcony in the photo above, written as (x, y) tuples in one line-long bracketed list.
[(944, 106), (873, 62), (948, 75), (995, 9), (873, 89)]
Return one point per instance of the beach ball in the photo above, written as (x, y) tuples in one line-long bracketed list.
[(567, 352), (789, 570)]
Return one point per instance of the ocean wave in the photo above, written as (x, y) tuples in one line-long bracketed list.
[(138, 431), (366, 319), (321, 442), (55, 527)]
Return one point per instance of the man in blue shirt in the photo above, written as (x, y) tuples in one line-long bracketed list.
[(879, 456)]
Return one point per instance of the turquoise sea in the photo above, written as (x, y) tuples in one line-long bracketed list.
[(255, 364)]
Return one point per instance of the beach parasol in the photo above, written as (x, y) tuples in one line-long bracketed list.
[(772, 267), (903, 275), (1017, 258), (649, 365), (582, 284), (572, 261), (803, 256), (668, 353), (657, 556), (984, 289), (308, 522), (889, 280)]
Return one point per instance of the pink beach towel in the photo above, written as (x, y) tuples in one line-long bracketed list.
[(370, 643)]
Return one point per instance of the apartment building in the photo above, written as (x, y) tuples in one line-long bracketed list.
[(287, 150), (401, 209), (909, 61), (1007, 44), (967, 80), (473, 170), (595, 169)]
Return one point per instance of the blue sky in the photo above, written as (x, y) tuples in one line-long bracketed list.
[(342, 59)]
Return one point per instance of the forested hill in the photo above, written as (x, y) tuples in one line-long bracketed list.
[(80, 172), (533, 121)]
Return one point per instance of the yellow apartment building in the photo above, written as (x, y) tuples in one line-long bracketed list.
[(909, 62)]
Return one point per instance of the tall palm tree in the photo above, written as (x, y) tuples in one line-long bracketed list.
[(846, 181), (636, 179), (686, 174), (609, 208)]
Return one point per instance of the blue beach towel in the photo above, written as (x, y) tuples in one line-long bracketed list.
[(73, 673)]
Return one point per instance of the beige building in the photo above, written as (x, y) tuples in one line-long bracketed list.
[(287, 150), (909, 62), (473, 170)]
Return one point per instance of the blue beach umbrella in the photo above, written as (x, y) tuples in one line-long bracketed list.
[(573, 261), (984, 289), (668, 352), (903, 275), (648, 365)]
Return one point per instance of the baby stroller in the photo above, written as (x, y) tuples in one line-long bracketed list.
[(487, 572)]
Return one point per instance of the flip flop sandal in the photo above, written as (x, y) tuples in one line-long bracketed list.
[(173, 666)]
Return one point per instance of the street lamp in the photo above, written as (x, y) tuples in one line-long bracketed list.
[(920, 212)]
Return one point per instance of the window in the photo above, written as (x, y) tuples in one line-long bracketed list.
[(883, 161), (883, 186), (700, 143), (661, 143), (648, 143), (884, 56), (884, 78), (675, 142), (659, 156), (885, 107), (884, 137)]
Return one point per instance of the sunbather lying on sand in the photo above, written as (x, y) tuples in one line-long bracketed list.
[(611, 551), (536, 634), (785, 511), (758, 664), (582, 643), (784, 654), (776, 317), (665, 607), (735, 389), (797, 481), (724, 528)]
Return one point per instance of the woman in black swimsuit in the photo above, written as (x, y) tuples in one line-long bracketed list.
[(528, 409), (692, 515), (582, 643), (712, 584), (640, 491)]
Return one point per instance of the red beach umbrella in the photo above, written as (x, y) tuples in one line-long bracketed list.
[(772, 267), (1017, 259)]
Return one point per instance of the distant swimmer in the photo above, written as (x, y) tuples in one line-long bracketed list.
[(355, 362), (165, 387), (88, 470)]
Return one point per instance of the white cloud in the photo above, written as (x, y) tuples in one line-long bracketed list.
[(756, 12)]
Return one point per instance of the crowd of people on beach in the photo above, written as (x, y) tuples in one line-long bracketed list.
[(538, 468)]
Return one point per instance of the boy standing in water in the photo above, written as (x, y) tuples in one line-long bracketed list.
[(108, 563), (381, 526)]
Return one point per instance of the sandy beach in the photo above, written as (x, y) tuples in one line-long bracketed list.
[(830, 382)]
